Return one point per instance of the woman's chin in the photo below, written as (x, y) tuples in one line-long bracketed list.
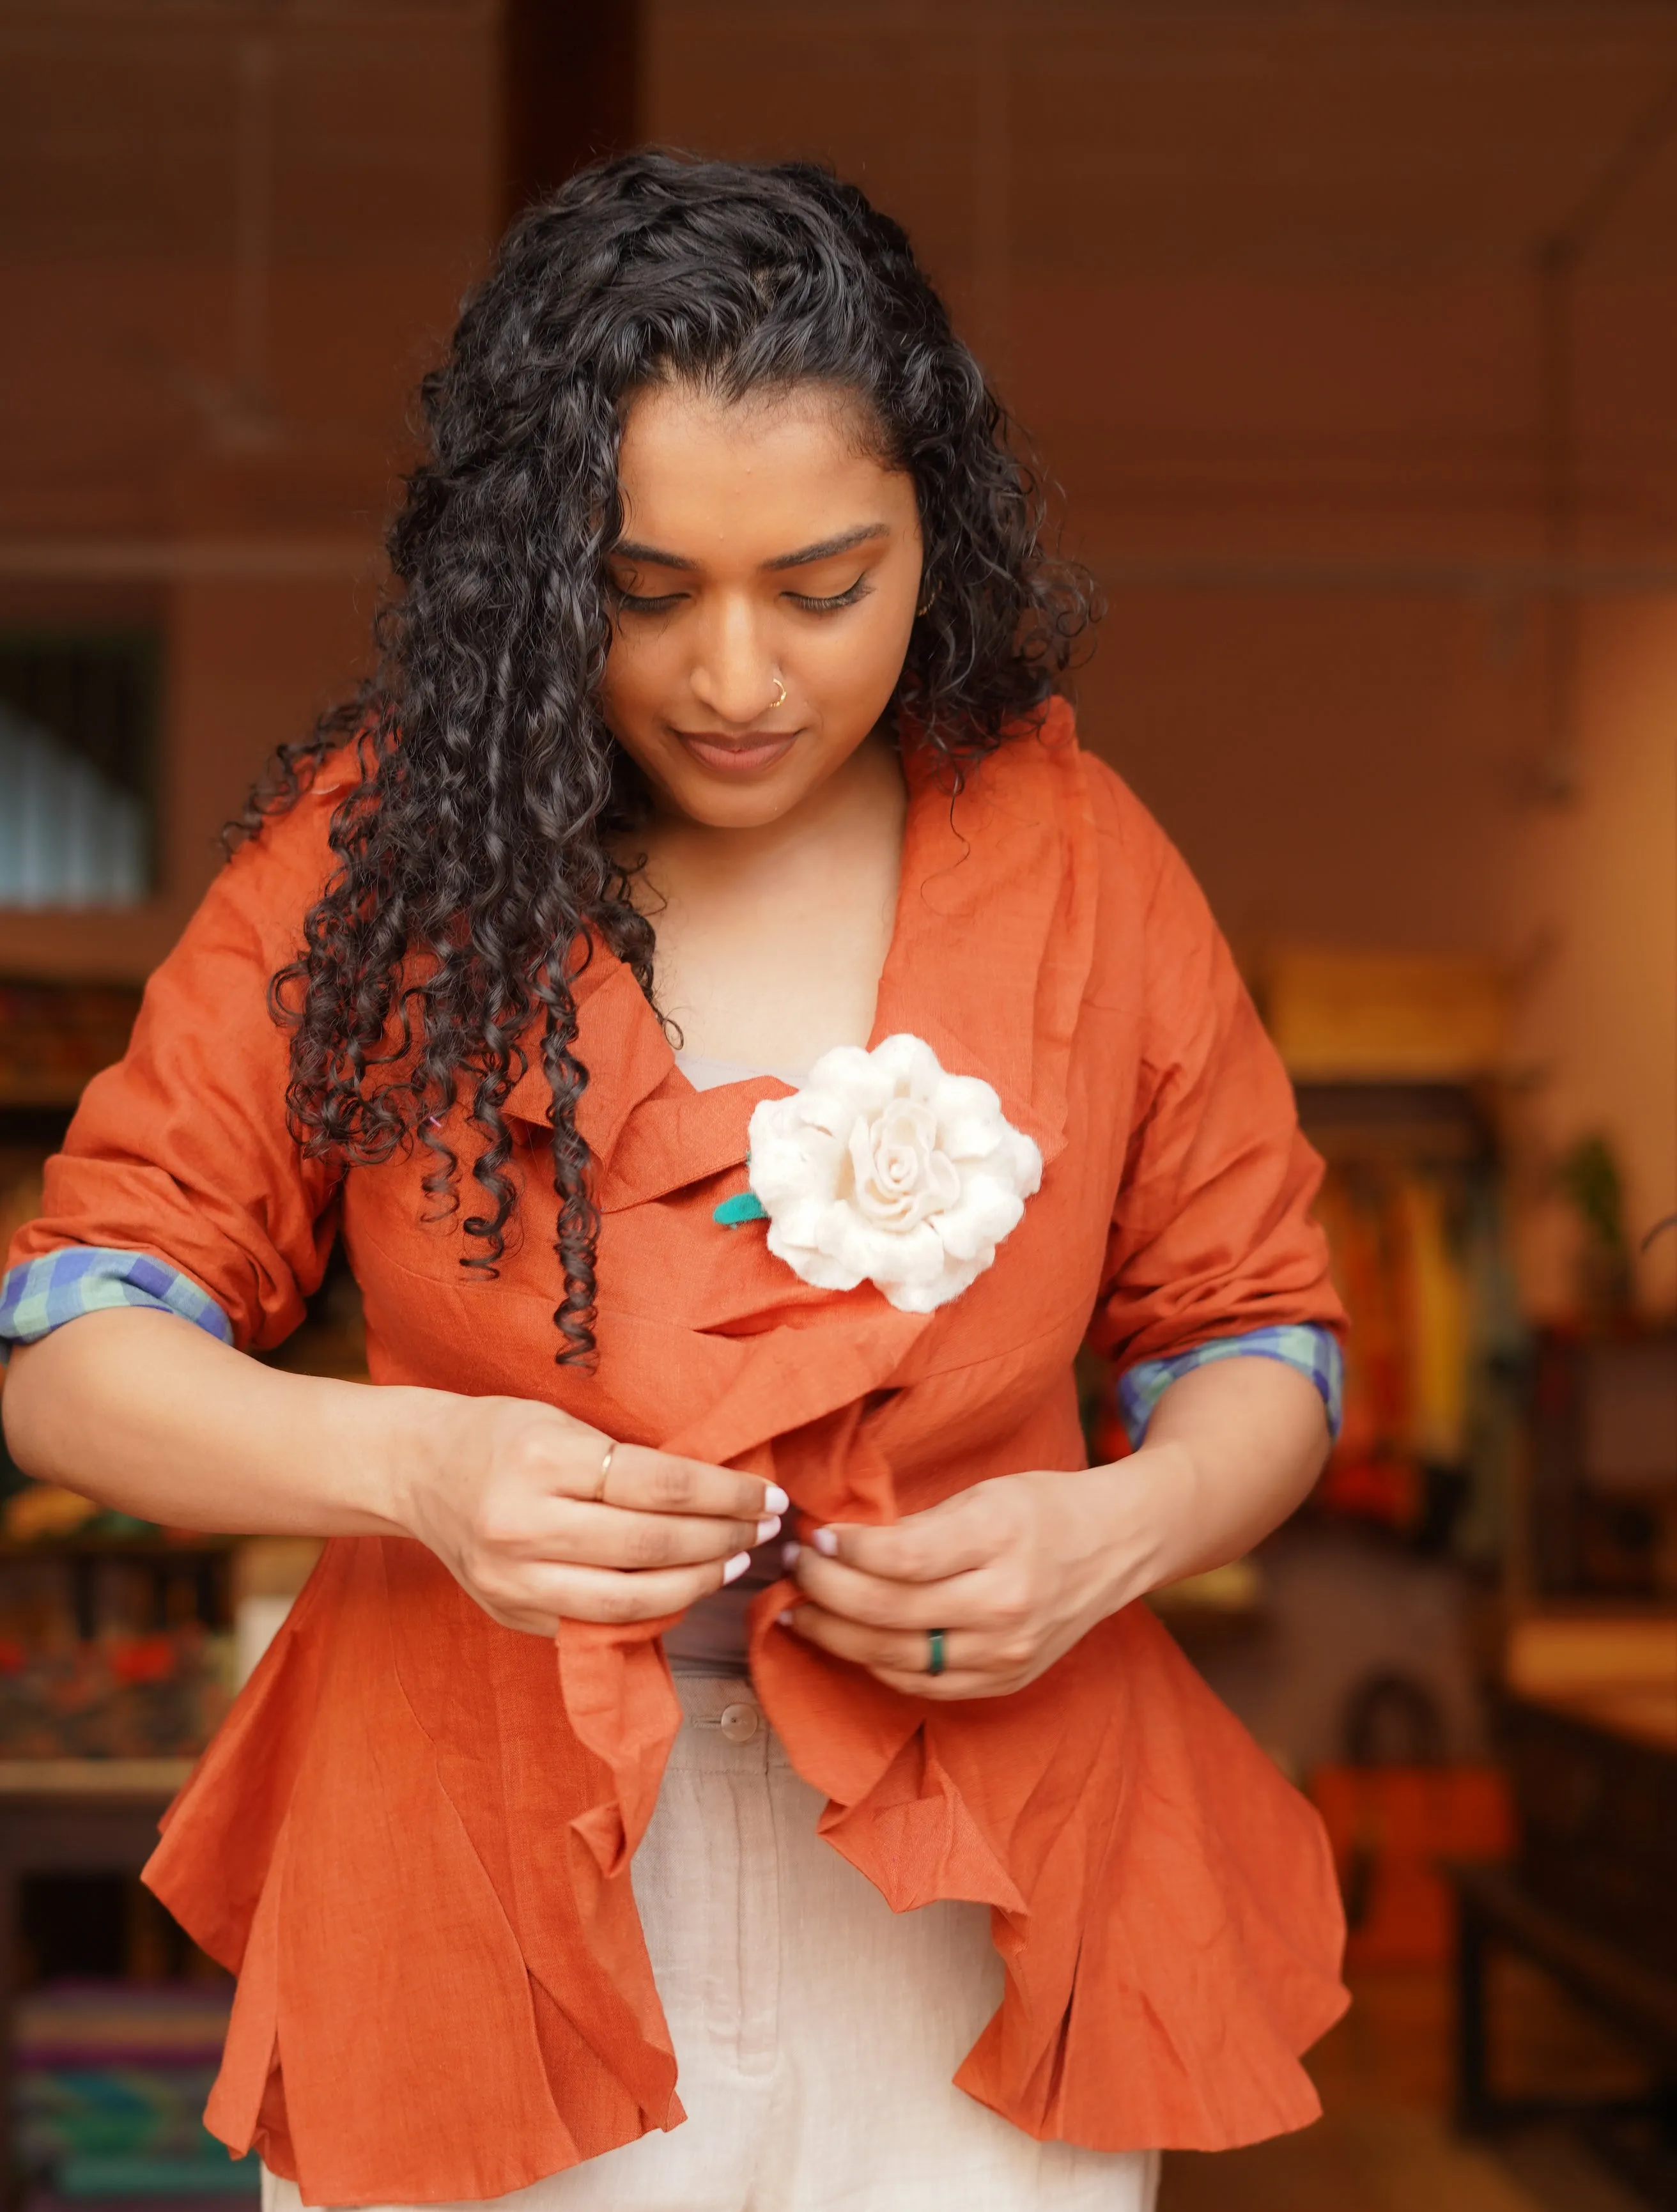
[(738, 798)]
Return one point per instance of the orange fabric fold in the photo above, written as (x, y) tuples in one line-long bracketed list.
[(412, 1837)]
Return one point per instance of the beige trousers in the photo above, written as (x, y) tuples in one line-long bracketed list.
[(816, 2031)]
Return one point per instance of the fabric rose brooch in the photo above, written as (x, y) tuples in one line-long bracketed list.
[(885, 1169)]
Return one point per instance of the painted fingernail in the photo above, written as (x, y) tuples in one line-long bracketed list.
[(774, 1499), (790, 1554), (826, 1541), (736, 1567), (769, 1528)]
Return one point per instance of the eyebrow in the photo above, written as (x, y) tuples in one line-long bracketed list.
[(630, 549)]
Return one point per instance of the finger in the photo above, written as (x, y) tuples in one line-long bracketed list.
[(964, 1533), (634, 1542), (945, 1686), (601, 1594), (661, 1482), (899, 1658), (963, 1600), (527, 1624)]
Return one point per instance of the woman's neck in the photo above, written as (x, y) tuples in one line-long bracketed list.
[(771, 939)]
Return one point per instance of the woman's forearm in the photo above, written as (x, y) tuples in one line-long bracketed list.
[(149, 1415), (1233, 1448)]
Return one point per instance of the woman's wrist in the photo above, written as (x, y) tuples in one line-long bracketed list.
[(1234, 1448), (327, 1457), (416, 1445), (1144, 1509)]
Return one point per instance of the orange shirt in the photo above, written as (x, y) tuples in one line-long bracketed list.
[(411, 1838)]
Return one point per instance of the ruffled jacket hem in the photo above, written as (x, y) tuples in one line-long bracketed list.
[(1163, 1901)]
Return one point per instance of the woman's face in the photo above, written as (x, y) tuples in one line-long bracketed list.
[(765, 589)]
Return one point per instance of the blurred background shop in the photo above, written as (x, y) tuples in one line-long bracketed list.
[(1350, 330)]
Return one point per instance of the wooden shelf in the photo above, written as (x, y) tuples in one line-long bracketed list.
[(85, 1778), (157, 1547)]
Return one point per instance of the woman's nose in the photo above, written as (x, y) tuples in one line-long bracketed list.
[(734, 677)]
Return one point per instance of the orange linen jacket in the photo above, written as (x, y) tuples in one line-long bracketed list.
[(412, 1839)]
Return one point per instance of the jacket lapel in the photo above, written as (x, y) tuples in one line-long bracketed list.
[(618, 1041), (995, 923)]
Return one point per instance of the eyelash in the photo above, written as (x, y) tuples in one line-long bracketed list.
[(630, 605), (859, 590)]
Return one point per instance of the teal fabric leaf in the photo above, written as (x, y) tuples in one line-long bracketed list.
[(745, 1205)]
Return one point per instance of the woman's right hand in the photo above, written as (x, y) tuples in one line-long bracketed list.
[(509, 1499)]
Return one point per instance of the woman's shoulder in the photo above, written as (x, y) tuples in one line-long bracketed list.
[(1133, 851), (279, 868), (1151, 918)]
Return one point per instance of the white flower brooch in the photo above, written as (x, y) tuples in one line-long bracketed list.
[(885, 1169)]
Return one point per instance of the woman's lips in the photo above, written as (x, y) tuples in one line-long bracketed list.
[(758, 749)]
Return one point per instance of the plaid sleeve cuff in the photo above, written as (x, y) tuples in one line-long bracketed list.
[(43, 1294), (1314, 1352)]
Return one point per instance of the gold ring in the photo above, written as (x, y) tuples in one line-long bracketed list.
[(604, 1469), (775, 703)]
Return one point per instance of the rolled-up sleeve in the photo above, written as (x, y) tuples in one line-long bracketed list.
[(180, 1185), (41, 1295)]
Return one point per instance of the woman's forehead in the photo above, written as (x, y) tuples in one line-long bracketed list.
[(703, 475), (700, 407)]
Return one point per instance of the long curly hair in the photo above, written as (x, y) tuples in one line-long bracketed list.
[(476, 867)]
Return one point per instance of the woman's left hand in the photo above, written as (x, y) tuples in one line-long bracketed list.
[(1015, 1569), (1013, 1572)]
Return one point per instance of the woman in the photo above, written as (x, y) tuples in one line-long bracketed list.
[(711, 849)]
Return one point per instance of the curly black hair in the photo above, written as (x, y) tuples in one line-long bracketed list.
[(476, 871)]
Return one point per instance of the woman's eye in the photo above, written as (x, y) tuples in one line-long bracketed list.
[(636, 603), (859, 590)]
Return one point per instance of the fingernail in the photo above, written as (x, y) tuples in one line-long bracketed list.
[(736, 1567), (774, 1499), (790, 1554), (769, 1528), (826, 1541), (788, 1619)]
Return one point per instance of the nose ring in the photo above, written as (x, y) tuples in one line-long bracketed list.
[(780, 701)]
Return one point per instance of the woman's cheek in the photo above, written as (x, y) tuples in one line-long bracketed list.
[(640, 684), (852, 678)]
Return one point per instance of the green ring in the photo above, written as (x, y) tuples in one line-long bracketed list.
[(934, 1651)]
